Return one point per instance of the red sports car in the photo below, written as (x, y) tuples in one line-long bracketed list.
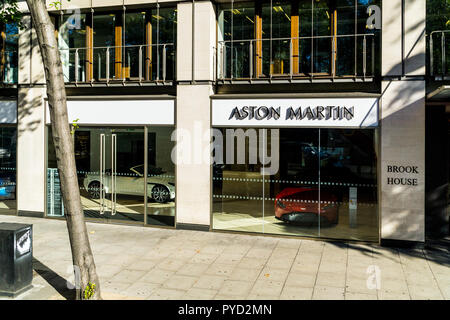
[(300, 206)]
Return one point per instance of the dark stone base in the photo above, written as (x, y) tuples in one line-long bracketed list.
[(16, 293), (193, 227), (31, 214), (402, 244)]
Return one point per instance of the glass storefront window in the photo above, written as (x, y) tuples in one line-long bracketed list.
[(160, 177), (325, 186), (112, 175), (8, 161)]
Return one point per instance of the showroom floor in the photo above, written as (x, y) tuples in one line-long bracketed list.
[(236, 215), (153, 263)]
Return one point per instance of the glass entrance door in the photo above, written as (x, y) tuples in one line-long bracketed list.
[(125, 174), (110, 164)]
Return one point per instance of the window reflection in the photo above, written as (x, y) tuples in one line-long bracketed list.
[(111, 175), (326, 186), (9, 53), (133, 46), (237, 22), (438, 31), (104, 34), (160, 177), (8, 160), (297, 38)]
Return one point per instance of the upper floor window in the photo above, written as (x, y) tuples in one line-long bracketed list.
[(438, 32), (297, 39), (119, 46), (9, 54)]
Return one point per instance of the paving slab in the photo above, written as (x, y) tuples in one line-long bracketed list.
[(151, 263)]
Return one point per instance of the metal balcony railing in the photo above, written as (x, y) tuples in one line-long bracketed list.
[(112, 64), (9, 67), (439, 48), (319, 57)]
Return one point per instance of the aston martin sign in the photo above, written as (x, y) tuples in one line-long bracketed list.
[(338, 112)]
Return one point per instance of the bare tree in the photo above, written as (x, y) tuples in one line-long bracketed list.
[(87, 286)]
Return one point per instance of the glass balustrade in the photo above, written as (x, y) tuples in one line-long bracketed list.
[(297, 39)]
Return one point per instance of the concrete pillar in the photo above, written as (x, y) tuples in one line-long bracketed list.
[(203, 39), (415, 41), (403, 39), (31, 151), (193, 170), (193, 119), (403, 145), (391, 38), (184, 41), (31, 125), (402, 114)]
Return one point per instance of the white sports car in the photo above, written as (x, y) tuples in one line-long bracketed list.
[(160, 185)]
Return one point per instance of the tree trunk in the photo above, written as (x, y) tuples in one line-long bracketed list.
[(83, 260)]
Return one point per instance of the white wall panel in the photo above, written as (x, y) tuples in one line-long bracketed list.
[(120, 112)]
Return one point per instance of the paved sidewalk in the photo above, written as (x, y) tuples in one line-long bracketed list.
[(151, 263)]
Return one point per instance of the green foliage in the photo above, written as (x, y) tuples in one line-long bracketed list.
[(57, 4), (89, 291), (438, 15), (9, 13), (75, 126)]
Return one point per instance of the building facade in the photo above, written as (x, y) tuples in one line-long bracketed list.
[(314, 118)]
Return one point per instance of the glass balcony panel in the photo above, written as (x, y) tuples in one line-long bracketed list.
[(345, 56), (266, 54), (131, 62), (100, 62), (305, 56), (322, 56), (170, 62), (162, 62), (281, 53), (10, 73), (440, 52)]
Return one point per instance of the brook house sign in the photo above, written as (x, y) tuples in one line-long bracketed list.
[(338, 112)]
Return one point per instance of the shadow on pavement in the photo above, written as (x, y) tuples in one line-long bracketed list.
[(56, 281)]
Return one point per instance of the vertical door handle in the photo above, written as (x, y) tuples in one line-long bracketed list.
[(113, 174), (102, 173)]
